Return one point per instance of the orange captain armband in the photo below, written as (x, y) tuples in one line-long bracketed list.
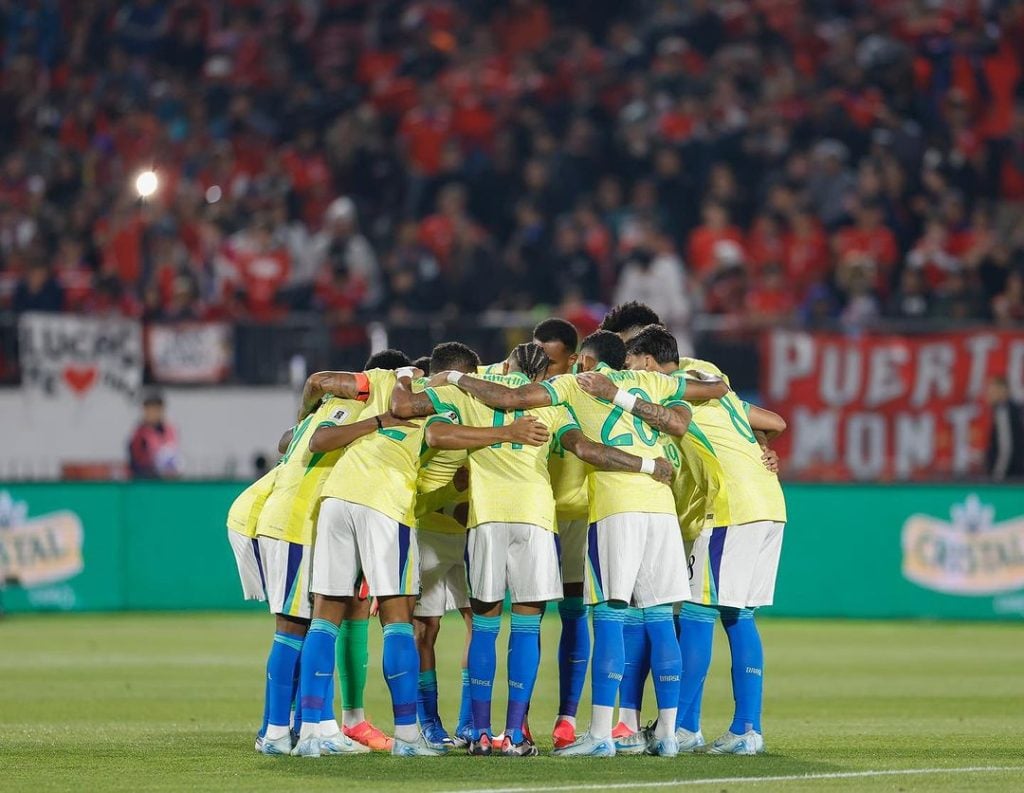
[(362, 386)]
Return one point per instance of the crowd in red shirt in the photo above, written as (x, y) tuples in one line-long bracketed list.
[(833, 163)]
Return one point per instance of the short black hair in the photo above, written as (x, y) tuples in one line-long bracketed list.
[(607, 348), (531, 359), (629, 315), (555, 329), (422, 363), (656, 341), (455, 356), (387, 359)]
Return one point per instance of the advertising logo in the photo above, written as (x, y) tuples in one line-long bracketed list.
[(969, 555), (45, 549)]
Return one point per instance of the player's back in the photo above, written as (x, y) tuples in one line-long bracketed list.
[(614, 492), (290, 510), (509, 482), (245, 510)]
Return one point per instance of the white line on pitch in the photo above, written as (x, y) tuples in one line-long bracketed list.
[(752, 779)]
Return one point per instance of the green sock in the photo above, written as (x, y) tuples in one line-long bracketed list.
[(352, 659)]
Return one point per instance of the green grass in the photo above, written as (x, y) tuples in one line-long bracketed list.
[(171, 702)]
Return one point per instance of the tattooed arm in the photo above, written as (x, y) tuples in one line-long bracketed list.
[(405, 404), (496, 395), (346, 385), (608, 458), (670, 420)]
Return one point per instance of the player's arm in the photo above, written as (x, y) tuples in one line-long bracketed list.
[(670, 419), (286, 440), (346, 385), (608, 458), (771, 424), (404, 403), (496, 395), (526, 429), (328, 438), (701, 386)]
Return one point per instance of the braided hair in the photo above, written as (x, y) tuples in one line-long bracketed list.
[(530, 359)]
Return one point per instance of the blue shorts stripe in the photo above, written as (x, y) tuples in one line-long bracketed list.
[(403, 552), (716, 546), (292, 573), (259, 564)]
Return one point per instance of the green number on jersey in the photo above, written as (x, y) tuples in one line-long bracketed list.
[(673, 454), (649, 436), (739, 421), (499, 421), (395, 435)]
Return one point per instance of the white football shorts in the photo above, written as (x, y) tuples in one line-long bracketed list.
[(735, 565), (443, 585), (636, 558), (518, 557), (286, 567), (352, 541), (250, 567)]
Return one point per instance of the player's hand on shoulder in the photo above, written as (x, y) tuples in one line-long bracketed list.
[(663, 471), (597, 385), (770, 458), (527, 429), (438, 380)]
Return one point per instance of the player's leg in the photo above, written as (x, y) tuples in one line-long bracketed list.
[(464, 728), (661, 583), (335, 570), (282, 670), (749, 566), (250, 574), (574, 642), (533, 579), (353, 656), (637, 648), (487, 547), (391, 561), (614, 553), (696, 633)]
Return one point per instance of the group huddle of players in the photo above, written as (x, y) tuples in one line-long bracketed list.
[(630, 486)]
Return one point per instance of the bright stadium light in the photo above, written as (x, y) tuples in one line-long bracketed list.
[(146, 184)]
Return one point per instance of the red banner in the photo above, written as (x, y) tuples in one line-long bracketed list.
[(886, 407)]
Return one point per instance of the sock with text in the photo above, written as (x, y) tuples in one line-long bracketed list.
[(608, 663), (523, 663), (401, 669), (665, 665), (482, 666)]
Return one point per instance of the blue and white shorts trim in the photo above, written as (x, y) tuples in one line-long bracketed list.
[(250, 566), (735, 566)]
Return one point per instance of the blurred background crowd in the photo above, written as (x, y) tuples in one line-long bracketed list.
[(830, 163)]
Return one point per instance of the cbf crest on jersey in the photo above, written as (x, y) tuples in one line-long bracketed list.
[(969, 555)]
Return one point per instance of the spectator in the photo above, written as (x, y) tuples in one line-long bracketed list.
[(38, 290), (715, 228), (153, 448), (341, 241), (1004, 457), (656, 277)]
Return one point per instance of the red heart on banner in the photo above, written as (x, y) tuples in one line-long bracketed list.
[(80, 378)]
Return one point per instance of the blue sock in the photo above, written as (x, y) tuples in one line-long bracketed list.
[(426, 697), (696, 632), (747, 668), (282, 665), (327, 714), (466, 703), (665, 665), (523, 663), (266, 702), (573, 654), (482, 663), (316, 669), (401, 670), (297, 699), (638, 659), (609, 655)]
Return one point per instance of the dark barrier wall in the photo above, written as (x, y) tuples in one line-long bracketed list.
[(934, 551)]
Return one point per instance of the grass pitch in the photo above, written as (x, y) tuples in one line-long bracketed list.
[(171, 702)]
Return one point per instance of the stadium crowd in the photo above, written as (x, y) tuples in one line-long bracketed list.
[(767, 161)]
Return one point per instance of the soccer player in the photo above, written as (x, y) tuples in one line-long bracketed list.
[(241, 522), (285, 534), (734, 564), (364, 530), (628, 319), (635, 551), (512, 541)]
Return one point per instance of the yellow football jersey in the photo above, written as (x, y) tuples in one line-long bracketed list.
[(613, 492), (685, 364), (491, 368), (291, 510), (508, 483), (245, 510), (436, 493), (379, 470), (753, 492), (569, 484)]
